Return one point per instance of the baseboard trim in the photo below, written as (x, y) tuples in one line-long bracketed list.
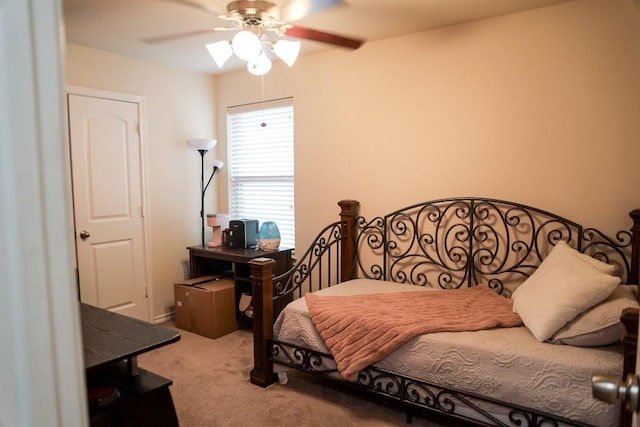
[(165, 317)]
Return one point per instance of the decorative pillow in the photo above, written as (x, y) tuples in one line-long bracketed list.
[(599, 265), (564, 285), (601, 324)]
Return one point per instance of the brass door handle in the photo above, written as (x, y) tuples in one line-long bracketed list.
[(84, 235)]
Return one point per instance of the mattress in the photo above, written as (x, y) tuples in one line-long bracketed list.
[(506, 364)]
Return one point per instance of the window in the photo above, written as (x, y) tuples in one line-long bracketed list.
[(260, 157)]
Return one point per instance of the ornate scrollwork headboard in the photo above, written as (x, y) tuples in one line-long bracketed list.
[(462, 242)]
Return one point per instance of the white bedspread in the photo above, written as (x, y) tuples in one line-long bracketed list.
[(505, 364)]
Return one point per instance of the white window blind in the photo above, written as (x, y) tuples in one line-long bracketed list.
[(260, 160)]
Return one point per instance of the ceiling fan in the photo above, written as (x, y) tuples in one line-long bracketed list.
[(260, 23)]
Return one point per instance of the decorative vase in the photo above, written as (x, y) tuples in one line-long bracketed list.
[(268, 236)]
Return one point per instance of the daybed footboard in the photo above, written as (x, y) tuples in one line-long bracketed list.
[(420, 245)]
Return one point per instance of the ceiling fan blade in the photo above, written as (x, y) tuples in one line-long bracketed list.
[(320, 36), (171, 37), (298, 9)]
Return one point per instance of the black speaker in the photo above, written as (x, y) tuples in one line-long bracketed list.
[(243, 233)]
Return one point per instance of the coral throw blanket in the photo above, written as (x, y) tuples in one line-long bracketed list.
[(360, 330)]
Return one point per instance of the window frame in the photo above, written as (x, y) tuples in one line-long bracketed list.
[(284, 182)]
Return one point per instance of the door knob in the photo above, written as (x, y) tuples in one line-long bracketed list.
[(610, 389), (84, 235)]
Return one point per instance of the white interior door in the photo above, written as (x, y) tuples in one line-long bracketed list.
[(108, 203)]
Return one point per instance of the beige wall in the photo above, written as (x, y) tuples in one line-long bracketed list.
[(541, 107), (179, 105)]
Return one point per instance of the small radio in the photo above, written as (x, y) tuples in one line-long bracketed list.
[(243, 233)]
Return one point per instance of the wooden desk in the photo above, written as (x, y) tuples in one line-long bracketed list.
[(111, 343), (204, 261)]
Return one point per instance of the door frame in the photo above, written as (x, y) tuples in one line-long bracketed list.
[(142, 121), (41, 365)]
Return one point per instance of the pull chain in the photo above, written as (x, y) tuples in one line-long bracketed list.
[(263, 124)]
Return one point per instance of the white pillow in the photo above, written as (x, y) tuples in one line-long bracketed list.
[(603, 267), (599, 325), (564, 285)]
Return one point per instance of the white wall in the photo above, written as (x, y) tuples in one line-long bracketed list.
[(539, 107), (179, 105)]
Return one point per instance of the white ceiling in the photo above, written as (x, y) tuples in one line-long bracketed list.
[(118, 25)]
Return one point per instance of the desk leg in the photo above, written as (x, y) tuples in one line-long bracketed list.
[(132, 366)]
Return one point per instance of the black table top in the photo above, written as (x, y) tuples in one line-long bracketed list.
[(111, 337)]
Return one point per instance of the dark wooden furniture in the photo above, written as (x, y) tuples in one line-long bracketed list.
[(204, 261), (111, 344), (448, 243)]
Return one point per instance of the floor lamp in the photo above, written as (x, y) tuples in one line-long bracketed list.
[(202, 145)]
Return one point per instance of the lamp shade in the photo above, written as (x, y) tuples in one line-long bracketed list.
[(246, 45), (259, 65), (218, 164), (220, 52), (202, 143), (287, 50)]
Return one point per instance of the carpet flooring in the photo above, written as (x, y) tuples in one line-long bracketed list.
[(211, 388)]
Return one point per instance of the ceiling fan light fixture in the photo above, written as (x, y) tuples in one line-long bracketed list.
[(259, 65), (287, 50), (220, 52), (246, 45), (255, 22)]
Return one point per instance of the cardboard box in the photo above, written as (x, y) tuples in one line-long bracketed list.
[(198, 280), (206, 308)]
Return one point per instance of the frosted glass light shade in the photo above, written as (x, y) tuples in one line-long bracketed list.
[(246, 45), (220, 52), (205, 144), (259, 65), (287, 50)]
